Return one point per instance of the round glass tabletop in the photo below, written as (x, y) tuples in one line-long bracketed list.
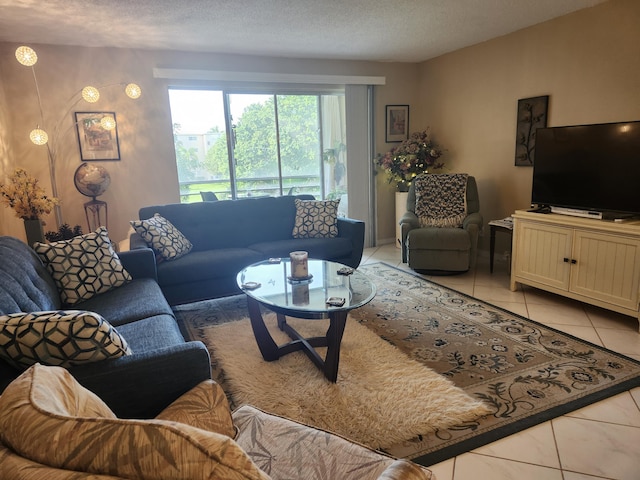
[(271, 284)]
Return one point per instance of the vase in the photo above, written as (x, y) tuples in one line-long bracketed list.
[(34, 231), (401, 208)]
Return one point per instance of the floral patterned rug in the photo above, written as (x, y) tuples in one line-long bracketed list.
[(526, 372)]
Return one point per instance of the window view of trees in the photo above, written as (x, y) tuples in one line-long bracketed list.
[(278, 144)]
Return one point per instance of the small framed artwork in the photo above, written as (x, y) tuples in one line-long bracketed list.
[(97, 136), (397, 123), (532, 114)]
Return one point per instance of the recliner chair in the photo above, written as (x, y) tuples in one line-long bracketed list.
[(441, 244)]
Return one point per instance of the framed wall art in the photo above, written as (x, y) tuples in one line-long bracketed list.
[(97, 136), (397, 128), (532, 114)]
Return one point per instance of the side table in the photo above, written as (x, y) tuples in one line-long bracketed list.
[(504, 225)]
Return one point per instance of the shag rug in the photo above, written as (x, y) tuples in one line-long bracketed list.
[(382, 397), (525, 372)]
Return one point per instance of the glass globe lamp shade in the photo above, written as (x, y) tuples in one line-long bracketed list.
[(39, 136), (133, 91), (26, 56), (90, 94), (108, 122)]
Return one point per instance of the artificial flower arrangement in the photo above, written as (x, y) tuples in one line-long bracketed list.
[(414, 156), (26, 197)]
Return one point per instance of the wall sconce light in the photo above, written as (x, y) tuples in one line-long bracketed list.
[(27, 56)]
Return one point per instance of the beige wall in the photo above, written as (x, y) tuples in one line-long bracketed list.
[(587, 62), (146, 174)]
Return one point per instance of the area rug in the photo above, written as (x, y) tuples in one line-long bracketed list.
[(526, 372), (382, 397)]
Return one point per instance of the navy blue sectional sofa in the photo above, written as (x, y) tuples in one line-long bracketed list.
[(229, 235), (163, 365)]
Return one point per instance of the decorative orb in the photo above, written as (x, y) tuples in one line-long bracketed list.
[(39, 136), (108, 122), (91, 180), (133, 91), (90, 94), (26, 56)]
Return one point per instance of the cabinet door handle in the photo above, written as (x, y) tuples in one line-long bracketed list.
[(573, 261), (565, 260)]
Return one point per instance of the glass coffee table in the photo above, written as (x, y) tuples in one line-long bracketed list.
[(269, 284)]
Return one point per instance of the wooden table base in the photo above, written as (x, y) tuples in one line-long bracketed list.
[(271, 351)]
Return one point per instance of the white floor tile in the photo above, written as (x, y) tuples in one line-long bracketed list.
[(534, 445), (585, 333), (497, 294), (519, 308), (597, 448), (620, 409), (471, 466), (443, 470), (622, 341), (559, 314)]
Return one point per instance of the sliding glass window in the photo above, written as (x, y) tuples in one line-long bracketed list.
[(254, 144)]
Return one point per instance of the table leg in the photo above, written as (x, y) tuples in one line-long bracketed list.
[(268, 348), (338, 321), (492, 247)]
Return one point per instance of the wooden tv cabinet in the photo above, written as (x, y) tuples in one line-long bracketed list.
[(593, 261)]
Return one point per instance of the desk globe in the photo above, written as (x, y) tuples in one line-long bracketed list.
[(92, 181)]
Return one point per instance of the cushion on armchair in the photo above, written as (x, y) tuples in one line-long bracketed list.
[(441, 199), (89, 438)]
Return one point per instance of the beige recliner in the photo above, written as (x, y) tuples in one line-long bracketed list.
[(441, 225)]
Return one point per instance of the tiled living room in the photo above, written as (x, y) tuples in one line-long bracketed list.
[(598, 441), (579, 55)]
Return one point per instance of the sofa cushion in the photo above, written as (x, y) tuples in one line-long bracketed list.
[(138, 299), (64, 338), (83, 266), (204, 406), (206, 265), (316, 218), (25, 283), (89, 438), (163, 237), (324, 248)]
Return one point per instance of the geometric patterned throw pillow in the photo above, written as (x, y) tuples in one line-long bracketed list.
[(59, 338), (316, 219), (83, 266), (163, 237)]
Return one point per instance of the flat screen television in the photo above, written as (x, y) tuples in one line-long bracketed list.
[(589, 168)]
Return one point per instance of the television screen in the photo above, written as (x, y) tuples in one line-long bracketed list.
[(588, 167)]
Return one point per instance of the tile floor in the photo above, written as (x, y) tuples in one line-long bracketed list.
[(595, 442)]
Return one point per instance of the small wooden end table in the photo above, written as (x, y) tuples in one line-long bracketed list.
[(269, 284), (504, 225)]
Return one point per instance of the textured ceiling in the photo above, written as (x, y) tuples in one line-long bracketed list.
[(382, 30)]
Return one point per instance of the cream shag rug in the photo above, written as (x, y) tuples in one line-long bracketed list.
[(382, 397)]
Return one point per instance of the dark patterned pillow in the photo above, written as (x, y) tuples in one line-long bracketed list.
[(163, 237), (62, 338), (316, 218), (441, 199), (83, 266)]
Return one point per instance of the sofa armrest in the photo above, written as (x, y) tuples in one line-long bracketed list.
[(140, 263), (142, 385), (354, 230), (408, 222)]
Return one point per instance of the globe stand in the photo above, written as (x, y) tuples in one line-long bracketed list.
[(93, 210)]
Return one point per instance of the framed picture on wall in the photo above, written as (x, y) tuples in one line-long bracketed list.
[(532, 114), (397, 125), (97, 136)]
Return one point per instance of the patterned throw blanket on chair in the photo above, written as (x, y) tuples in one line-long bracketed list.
[(441, 199)]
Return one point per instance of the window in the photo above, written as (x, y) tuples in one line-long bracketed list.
[(254, 144)]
